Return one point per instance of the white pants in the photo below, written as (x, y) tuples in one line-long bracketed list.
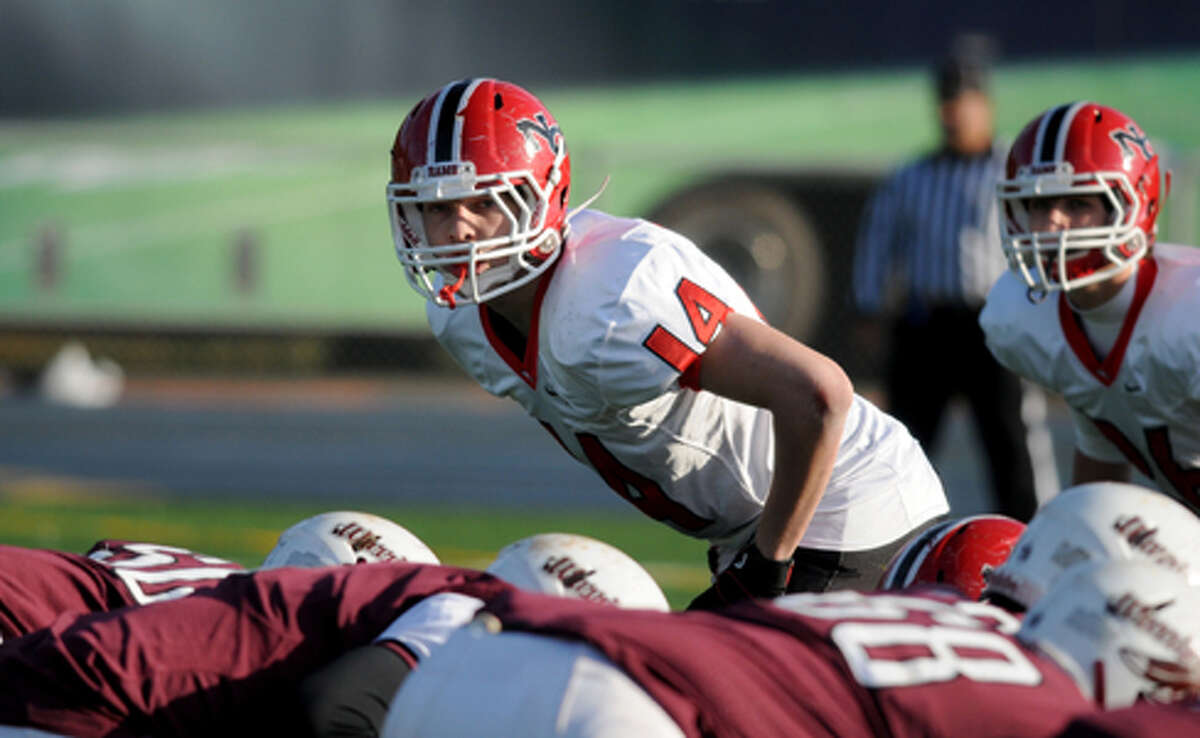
[(516, 684), (12, 731)]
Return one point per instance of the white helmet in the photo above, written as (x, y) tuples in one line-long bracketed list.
[(577, 566), (1095, 522), (346, 537), (1123, 630)]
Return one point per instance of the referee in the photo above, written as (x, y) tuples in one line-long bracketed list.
[(928, 251)]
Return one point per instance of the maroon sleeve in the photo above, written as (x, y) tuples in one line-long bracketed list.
[(761, 670), (37, 585), (224, 659)]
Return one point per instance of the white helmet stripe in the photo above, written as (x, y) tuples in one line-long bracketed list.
[(1064, 131)]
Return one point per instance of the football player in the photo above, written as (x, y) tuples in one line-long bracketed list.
[(230, 658), (38, 585), (1092, 523), (351, 695), (919, 663), (1091, 307), (956, 553), (643, 358)]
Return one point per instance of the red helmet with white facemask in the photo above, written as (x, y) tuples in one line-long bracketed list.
[(1072, 150), (472, 138)]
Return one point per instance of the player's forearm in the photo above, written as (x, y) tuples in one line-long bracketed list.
[(805, 453), (809, 397)]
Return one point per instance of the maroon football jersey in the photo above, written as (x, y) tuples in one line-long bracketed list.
[(842, 664), (150, 572), (38, 585), (227, 658), (1143, 720)]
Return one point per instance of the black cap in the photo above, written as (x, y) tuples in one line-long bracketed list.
[(965, 67)]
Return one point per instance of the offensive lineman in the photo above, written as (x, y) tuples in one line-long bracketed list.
[(38, 585), (643, 358), (1091, 307), (231, 658), (847, 664)]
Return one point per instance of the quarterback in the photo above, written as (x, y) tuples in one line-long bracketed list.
[(1091, 307), (848, 664), (643, 358)]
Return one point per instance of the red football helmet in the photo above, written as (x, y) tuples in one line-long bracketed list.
[(1079, 149), (956, 553), (470, 138)]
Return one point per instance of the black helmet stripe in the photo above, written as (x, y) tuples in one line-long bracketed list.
[(447, 111), (1052, 135), (914, 555), (1048, 134)]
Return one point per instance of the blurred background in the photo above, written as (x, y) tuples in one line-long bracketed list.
[(199, 304)]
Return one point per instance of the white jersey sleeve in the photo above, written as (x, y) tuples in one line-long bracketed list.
[(1016, 330), (430, 623), (637, 307)]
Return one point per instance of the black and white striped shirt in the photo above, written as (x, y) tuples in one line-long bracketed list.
[(933, 225)]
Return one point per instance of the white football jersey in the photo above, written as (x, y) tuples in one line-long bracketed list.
[(1139, 404), (628, 308)]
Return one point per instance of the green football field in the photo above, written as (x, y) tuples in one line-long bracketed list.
[(146, 211), (70, 515)]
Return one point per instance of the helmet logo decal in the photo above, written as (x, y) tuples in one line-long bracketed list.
[(1131, 135), (1141, 537), (1143, 617), (363, 540), (575, 578), (541, 127)]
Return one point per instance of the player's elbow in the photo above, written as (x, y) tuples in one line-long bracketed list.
[(824, 398), (833, 390)]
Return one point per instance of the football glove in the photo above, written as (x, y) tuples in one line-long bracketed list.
[(750, 575)]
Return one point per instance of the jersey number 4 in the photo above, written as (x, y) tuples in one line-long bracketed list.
[(705, 312), (1185, 481)]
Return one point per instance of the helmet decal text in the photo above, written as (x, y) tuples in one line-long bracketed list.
[(1142, 537), (1129, 137), (575, 578), (531, 129)]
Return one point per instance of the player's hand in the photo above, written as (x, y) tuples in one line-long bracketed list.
[(750, 575)]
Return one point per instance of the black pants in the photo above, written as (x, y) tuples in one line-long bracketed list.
[(940, 353), (814, 570)]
